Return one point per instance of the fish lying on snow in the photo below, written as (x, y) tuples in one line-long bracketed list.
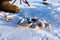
[(33, 23)]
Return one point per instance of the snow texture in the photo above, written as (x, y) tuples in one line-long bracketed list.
[(49, 13)]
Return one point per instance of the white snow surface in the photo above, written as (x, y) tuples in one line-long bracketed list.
[(8, 30)]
